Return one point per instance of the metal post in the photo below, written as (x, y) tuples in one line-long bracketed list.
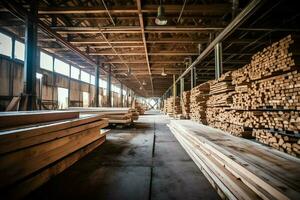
[(121, 97), (192, 78), (96, 98), (218, 60), (30, 63), (108, 95), (181, 87)]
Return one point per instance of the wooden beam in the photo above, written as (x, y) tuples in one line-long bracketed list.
[(191, 9), (138, 2)]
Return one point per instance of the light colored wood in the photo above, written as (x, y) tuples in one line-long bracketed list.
[(267, 172)]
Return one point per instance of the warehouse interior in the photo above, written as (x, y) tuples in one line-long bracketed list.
[(153, 99)]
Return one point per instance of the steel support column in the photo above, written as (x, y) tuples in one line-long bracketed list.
[(192, 78), (30, 62), (97, 75), (181, 87), (121, 95), (108, 90), (218, 60)]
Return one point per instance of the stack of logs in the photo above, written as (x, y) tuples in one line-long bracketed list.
[(199, 96), (185, 104)]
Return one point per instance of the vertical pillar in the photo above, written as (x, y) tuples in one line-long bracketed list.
[(108, 95), (121, 96), (96, 98), (218, 60), (192, 77), (30, 63), (69, 87), (127, 97), (181, 87)]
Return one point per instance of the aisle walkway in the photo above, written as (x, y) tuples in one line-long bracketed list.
[(144, 162)]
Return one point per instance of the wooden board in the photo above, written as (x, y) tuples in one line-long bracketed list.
[(269, 173)]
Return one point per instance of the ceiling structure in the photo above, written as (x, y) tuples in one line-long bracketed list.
[(123, 35)]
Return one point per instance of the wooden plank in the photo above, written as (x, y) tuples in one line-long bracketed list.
[(13, 119), (17, 165), (25, 187)]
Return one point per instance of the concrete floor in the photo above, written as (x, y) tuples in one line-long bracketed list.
[(144, 162)]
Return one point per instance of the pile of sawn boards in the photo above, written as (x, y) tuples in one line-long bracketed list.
[(239, 168), (114, 115), (35, 146)]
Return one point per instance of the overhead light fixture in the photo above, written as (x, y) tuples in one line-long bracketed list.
[(161, 20), (144, 83), (128, 73), (141, 88), (163, 72)]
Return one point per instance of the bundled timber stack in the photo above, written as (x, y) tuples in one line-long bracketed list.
[(35, 146), (140, 109), (125, 116), (283, 142), (185, 104), (165, 106), (199, 97), (177, 106), (238, 168), (268, 94), (169, 109)]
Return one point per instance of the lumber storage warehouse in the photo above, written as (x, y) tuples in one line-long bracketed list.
[(164, 99)]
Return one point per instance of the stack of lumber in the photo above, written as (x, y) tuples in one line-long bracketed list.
[(124, 116), (169, 104), (185, 104), (177, 106), (263, 95), (282, 142), (199, 97), (222, 84), (234, 166), (139, 108), (32, 150), (165, 106)]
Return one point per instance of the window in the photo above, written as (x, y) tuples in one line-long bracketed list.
[(19, 50), (75, 72), (85, 77), (46, 61), (61, 67), (5, 45), (92, 80), (103, 83)]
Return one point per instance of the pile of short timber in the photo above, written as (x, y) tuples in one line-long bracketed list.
[(125, 116), (220, 99), (199, 96), (165, 106), (282, 142), (239, 168), (139, 108), (177, 106), (185, 104), (35, 146)]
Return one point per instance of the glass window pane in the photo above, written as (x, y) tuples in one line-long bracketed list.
[(92, 80), (46, 61), (19, 50), (5, 45), (61, 67), (85, 77), (75, 72)]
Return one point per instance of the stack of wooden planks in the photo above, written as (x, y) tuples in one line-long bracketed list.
[(282, 142), (199, 96), (173, 106), (139, 108), (185, 104), (234, 166), (125, 116), (32, 150)]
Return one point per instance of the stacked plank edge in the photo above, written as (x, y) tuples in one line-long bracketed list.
[(172, 107), (260, 100), (34, 150), (234, 166), (185, 104)]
